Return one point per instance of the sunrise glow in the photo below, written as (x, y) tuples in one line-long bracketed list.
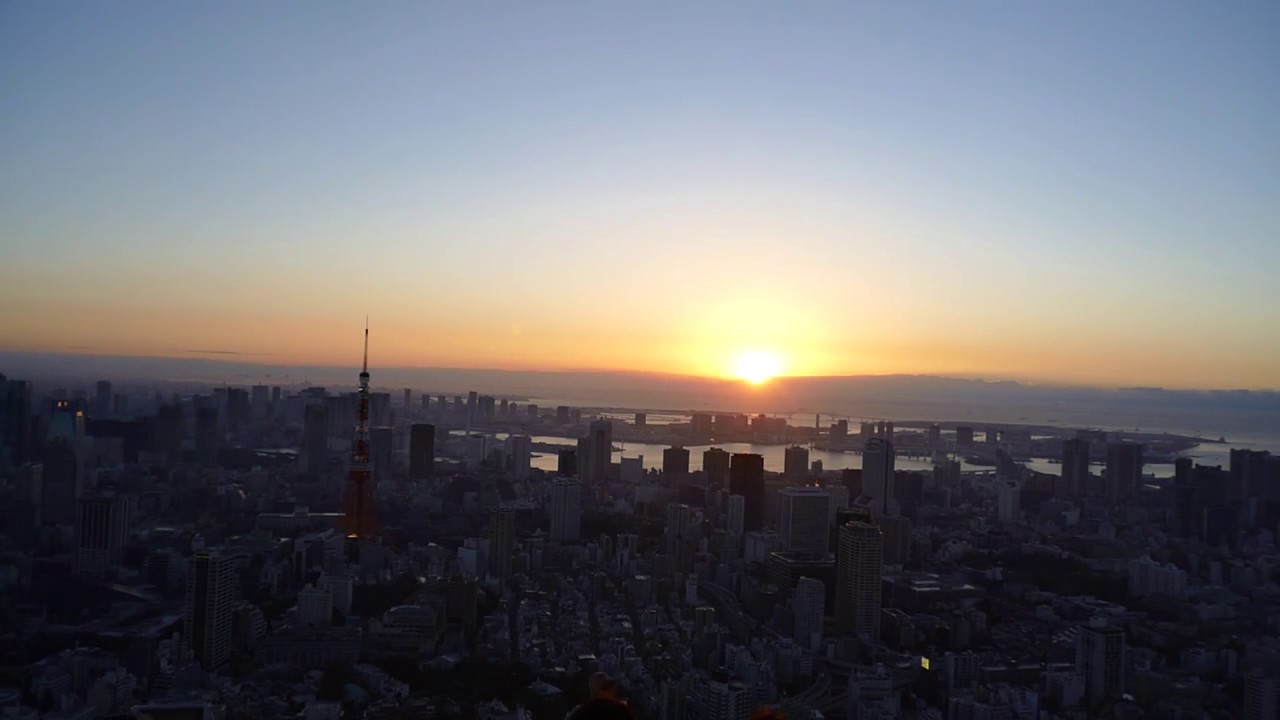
[(756, 366)]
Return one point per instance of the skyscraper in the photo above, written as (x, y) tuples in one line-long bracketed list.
[(715, 463), (1100, 658), (315, 439), (1008, 496), (381, 450), (735, 515), (358, 505), (15, 422), (677, 532), (567, 463), (600, 443), (566, 509), (519, 449), (1074, 482), (102, 400), (260, 402), (675, 463), (1124, 470), (804, 517), (746, 478), (796, 464), (62, 478), (859, 565), (422, 450), (212, 587), (102, 530), (502, 536), (809, 604), (877, 474), (208, 436), (408, 398)]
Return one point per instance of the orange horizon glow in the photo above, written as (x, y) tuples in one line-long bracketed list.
[(701, 334)]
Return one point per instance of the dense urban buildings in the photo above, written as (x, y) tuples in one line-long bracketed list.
[(197, 537)]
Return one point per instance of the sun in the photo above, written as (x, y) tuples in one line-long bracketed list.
[(756, 366)]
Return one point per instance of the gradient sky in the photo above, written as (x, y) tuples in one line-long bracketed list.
[(1080, 192)]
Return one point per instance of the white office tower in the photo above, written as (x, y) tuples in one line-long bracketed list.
[(519, 451), (566, 509), (1008, 497), (877, 475), (737, 508), (212, 587), (805, 514), (810, 605), (315, 606), (1100, 658), (859, 565)]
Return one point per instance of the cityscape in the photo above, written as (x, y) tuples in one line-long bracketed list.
[(580, 360), (268, 551)]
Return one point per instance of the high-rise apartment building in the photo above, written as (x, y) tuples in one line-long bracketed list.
[(1100, 658), (212, 590), (746, 478), (422, 450), (566, 509), (1261, 696), (803, 520), (859, 566)]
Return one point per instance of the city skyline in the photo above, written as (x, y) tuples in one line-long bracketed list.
[(859, 190)]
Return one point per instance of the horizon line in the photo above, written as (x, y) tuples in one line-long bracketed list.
[(233, 357)]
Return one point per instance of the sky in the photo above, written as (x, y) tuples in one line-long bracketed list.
[(1070, 192)]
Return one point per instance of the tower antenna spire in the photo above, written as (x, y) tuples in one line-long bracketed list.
[(365, 367)]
